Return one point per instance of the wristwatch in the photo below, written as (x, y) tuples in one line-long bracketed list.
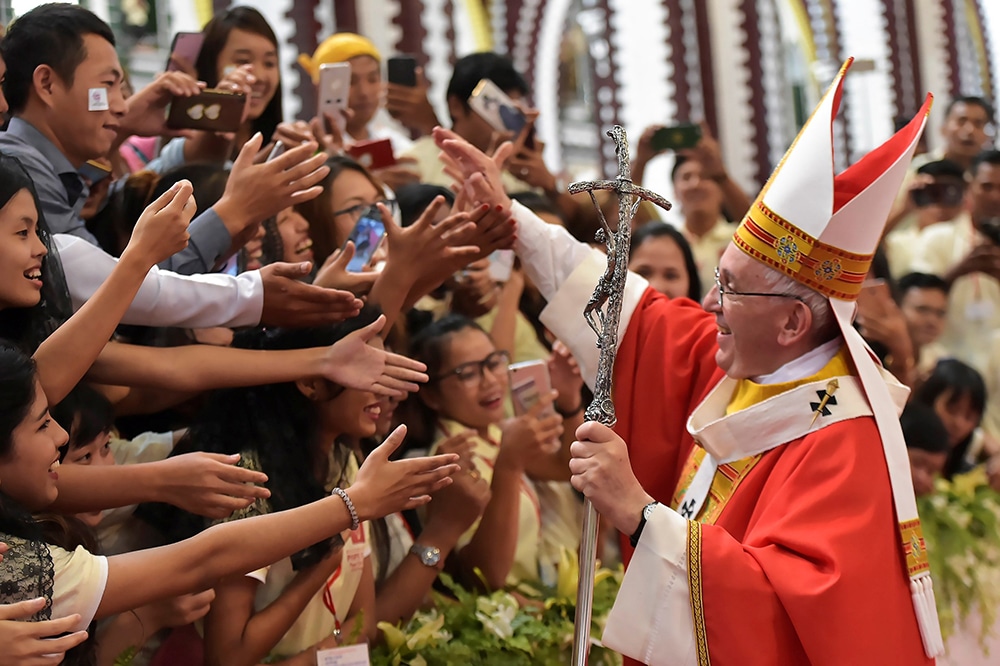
[(429, 556), (647, 511)]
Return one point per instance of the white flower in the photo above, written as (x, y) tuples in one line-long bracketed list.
[(496, 613)]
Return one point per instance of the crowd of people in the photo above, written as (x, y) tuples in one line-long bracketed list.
[(222, 440)]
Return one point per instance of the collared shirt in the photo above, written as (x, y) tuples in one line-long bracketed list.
[(61, 190), (63, 193), (165, 298)]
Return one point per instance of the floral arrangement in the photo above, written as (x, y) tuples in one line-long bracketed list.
[(499, 629), (961, 523)]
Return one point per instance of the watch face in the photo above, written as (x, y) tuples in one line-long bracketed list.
[(648, 510), (430, 556)]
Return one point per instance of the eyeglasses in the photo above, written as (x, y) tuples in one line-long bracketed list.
[(475, 371), (368, 210), (730, 292)]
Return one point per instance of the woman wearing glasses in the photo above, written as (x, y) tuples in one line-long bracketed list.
[(349, 191), (466, 397)]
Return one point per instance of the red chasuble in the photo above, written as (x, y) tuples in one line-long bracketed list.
[(802, 565)]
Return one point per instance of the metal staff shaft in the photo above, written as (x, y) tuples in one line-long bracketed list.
[(603, 313)]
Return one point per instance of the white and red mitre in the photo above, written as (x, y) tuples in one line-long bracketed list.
[(822, 229)]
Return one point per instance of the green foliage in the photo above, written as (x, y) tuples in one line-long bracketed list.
[(498, 629), (961, 523), (126, 657)]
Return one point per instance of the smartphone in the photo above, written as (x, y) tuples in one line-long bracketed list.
[(501, 265), (375, 154), (185, 48), (334, 91), (366, 235), (497, 108), (94, 171), (277, 151), (944, 194), (402, 70), (529, 381), (210, 110), (677, 137)]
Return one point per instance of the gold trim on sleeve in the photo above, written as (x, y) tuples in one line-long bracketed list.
[(694, 585)]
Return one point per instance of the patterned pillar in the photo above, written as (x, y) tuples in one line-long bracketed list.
[(608, 111), (409, 20), (305, 38), (345, 15), (758, 110), (904, 62)]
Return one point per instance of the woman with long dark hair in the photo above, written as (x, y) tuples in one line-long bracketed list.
[(78, 583)]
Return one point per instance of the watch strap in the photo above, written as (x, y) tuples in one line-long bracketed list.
[(634, 538)]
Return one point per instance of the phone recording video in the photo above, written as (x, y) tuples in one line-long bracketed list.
[(366, 235), (676, 137)]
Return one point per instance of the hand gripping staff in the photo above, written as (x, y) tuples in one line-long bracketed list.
[(602, 313)]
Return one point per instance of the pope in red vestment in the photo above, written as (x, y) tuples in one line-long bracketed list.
[(757, 463)]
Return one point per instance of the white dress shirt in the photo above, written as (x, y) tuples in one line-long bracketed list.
[(165, 298)]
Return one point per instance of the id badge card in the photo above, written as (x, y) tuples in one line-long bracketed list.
[(349, 655)]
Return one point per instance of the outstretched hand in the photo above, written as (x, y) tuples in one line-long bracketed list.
[(463, 160), (209, 484), (290, 302), (333, 274), (353, 363), (382, 487), (162, 229)]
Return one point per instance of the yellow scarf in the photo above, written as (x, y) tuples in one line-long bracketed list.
[(749, 393)]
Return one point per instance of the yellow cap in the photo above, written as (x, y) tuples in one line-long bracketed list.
[(340, 47)]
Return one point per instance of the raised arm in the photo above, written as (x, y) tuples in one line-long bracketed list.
[(381, 487), (67, 354), (351, 363)]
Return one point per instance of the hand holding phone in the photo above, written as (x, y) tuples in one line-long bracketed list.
[(366, 235), (333, 91), (184, 51), (402, 70), (676, 137), (376, 154), (497, 108), (211, 110)]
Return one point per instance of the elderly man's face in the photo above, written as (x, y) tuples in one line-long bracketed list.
[(748, 325)]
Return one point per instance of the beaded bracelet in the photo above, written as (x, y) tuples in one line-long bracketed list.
[(355, 523)]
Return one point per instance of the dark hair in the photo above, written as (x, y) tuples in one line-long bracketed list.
[(17, 392), (923, 429), (943, 169), (971, 99), (28, 327), (990, 156), (537, 203), (664, 230), (277, 422), (679, 161), (414, 198), (471, 69), (216, 34), (318, 211), (208, 180), (51, 34), (113, 224), (920, 281), (428, 344), (85, 413), (957, 379)]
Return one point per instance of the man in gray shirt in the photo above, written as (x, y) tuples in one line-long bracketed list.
[(63, 85)]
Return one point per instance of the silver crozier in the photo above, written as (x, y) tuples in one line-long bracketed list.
[(602, 314)]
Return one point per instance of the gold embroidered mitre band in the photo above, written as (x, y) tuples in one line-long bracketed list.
[(771, 239)]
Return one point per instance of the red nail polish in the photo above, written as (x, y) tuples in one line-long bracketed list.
[(499, 208)]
